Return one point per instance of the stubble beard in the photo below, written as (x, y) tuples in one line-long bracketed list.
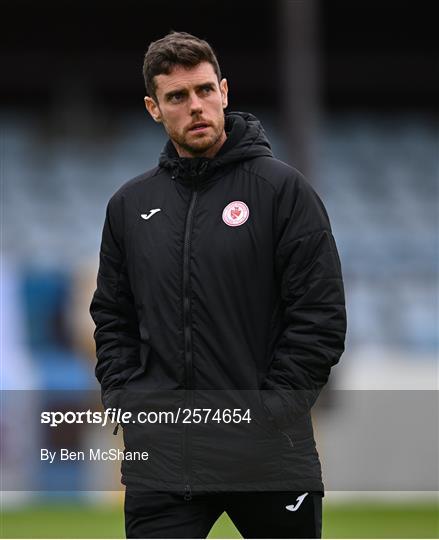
[(202, 145)]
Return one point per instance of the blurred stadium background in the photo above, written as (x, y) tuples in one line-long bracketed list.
[(347, 91)]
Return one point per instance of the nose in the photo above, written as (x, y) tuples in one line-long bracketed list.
[(195, 103)]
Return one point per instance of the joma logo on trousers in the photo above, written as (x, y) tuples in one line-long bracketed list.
[(294, 507)]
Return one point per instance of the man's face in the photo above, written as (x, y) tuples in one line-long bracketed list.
[(190, 105)]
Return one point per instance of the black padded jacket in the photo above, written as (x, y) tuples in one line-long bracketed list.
[(219, 289)]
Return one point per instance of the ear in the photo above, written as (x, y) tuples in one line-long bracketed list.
[(153, 109), (224, 89)]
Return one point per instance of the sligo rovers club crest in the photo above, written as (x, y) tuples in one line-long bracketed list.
[(235, 213)]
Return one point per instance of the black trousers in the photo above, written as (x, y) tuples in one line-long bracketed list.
[(274, 514)]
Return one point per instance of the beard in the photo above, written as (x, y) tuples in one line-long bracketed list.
[(195, 143)]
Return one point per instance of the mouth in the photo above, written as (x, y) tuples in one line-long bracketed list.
[(199, 126)]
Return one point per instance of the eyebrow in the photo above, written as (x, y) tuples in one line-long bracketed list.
[(171, 93)]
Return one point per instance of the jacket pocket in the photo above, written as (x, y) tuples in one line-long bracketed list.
[(300, 434), (288, 438), (141, 369), (111, 397)]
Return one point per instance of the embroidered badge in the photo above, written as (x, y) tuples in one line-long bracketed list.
[(235, 213)]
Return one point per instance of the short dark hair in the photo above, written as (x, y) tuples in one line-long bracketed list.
[(176, 49)]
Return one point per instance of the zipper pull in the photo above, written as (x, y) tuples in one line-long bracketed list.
[(288, 438), (116, 429), (187, 493)]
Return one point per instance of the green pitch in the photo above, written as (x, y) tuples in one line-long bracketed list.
[(355, 520)]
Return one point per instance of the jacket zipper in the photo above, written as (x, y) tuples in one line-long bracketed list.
[(188, 338)]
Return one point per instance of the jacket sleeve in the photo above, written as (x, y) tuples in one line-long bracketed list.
[(113, 311), (312, 304)]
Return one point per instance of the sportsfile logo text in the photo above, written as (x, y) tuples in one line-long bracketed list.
[(117, 416)]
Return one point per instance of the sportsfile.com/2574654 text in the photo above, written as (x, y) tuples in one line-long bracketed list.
[(117, 416)]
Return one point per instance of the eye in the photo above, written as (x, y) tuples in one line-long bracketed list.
[(176, 98), (206, 89)]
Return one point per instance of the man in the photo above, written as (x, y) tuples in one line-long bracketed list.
[(219, 293)]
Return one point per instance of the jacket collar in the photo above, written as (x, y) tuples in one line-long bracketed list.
[(245, 139)]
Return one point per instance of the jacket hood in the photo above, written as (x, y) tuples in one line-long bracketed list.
[(246, 139)]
